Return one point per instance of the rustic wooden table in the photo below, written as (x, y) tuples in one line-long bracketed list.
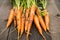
[(53, 10)]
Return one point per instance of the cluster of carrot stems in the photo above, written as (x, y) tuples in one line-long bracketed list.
[(33, 5)]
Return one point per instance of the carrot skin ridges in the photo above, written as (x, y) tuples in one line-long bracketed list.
[(47, 19), (26, 20), (32, 12), (10, 18), (41, 21)]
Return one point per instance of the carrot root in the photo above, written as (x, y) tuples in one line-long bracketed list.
[(41, 19), (11, 17), (26, 21), (31, 16), (47, 20), (23, 23), (36, 21)]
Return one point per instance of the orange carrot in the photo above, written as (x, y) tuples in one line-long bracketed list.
[(36, 21), (32, 12), (41, 19), (47, 19), (23, 23), (15, 20), (26, 21), (19, 20), (11, 17)]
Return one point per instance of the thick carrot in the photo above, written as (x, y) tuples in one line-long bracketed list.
[(47, 19), (32, 12), (36, 22), (23, 23), (19, 20), (11, 17), (26, 20), (41, 19)]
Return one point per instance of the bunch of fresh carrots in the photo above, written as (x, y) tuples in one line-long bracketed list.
[(24, 12)]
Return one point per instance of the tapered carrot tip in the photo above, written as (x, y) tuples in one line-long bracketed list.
[(21, 34), (48, 33), (27, 38), (8, 24), (48, 29), (18, 35), (26, 25), (43, 37), (15, 22), (27, 35), (47, 19)]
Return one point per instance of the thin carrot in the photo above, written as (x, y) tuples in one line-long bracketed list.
[(41, 19), (32, 12), (36, 21), (23, 23), (47, 19), (11, 17), (15, 20), (18, 23), (19, 20), (26, 20)]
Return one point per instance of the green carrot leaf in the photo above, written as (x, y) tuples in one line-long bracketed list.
[(17, 3)]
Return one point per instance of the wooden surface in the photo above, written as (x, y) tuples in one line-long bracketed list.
[(53, 10)]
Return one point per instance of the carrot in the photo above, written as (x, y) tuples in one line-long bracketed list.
[(11, 17), (19, 20), (26, 20), (32, 12), (41, 19), (15, 21), (18, 23), (36, 21), (23, 23), (47, 19)]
